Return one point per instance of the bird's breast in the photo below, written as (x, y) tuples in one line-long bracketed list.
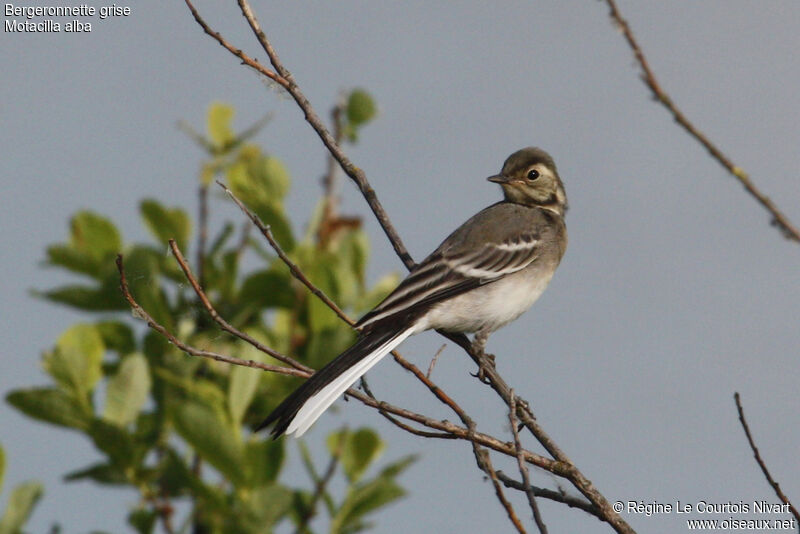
[(491, 306)]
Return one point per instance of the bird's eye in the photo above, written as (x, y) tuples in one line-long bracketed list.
[(533, 174)]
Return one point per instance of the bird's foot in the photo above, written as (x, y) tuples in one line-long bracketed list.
[(487, 363)]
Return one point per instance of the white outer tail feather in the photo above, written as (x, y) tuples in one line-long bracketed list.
[(316, 405)]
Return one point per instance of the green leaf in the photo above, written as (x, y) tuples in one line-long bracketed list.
[(94, 235), (360, 107), (127, 390), (93, 243), (358, 451), (267, 173), (117, 336), (102, 473), (214, 438), (52, 406), (20, 505), (261, 182), (166, 223), (115, 442), (143, 520), (278, 224), (320, 316), (219, 124), (363, 500), (201, 390), (244, 381), (262, 508), (395, 468), (267, 289), (76, 361), (175, 477), (75, 260), (103, 298), (354, 246), (264, 460)]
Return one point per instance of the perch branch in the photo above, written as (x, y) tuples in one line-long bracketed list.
[(775, 486), (648, 77)]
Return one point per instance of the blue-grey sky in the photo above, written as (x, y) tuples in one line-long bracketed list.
[(674, 292)]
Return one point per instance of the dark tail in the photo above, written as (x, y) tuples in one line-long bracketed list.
[(325, 386)]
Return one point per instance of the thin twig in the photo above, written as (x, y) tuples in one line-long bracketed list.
[(557, 496), (138, 311), (485, 464), (565, 467), (320, 487), (648, 77), (523, 469), (222, 322), (443, 426), (355, 173), (434, 359), (246, 60), (402, 425), (775, 486), (293, 268), (561, 466)]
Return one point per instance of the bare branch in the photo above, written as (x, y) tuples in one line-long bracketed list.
[(523, 469), (355, 173), (321, 486), (222, 322), (485, 464), (246, 60), (456, 431), (434, 360), (565, 467), (561, 465), (296, 272), (648, 77), (557, 496), (141, 313), (775, 486)]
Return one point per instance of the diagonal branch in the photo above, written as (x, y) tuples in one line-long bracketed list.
[(648, 77), (775, 486), (485, 464), (140, 312), (246, 60), (523, 469), (187, 272), (561, 465), (556, 496), (455, 431), (481, 455), (568, 469), (355, 173)]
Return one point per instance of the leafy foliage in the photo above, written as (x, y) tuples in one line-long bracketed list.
[(177, 428)]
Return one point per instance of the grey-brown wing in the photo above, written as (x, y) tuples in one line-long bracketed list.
[(449, 272)]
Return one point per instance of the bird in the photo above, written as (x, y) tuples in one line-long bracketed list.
[(484, 275)]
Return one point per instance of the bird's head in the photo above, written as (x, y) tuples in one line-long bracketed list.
[(530, 177)]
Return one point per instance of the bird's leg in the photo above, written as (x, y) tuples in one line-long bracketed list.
[(486, 360)]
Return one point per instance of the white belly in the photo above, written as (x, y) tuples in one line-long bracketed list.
[(488, 307)]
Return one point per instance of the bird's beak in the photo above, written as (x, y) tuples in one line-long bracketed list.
[(498, 179)]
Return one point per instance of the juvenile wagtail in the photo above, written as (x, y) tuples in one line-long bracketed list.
[(483, 276)]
